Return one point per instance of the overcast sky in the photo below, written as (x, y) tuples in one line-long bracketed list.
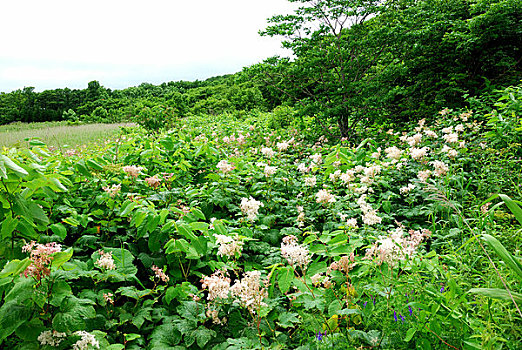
[(67, 43)]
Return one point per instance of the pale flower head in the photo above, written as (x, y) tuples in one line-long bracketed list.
[(324, 197), (250, 207), (132, 170)]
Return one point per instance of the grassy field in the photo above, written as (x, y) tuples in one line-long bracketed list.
[(57, 134)]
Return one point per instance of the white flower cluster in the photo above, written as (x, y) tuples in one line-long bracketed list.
[(324, 197), (369, 214), (249, 292), (87, 339), (132, 170), (282, 146), (296, 254), (153, 181), (406, 189), (250, 207), (303, 168), (310, 181), (113, 190), (440, 168), (228, 246), (451, 138), (105, 261), (424, 175), (267, 152), (396, 246), (270, 170), (51, 338), (160, 274), (218, 285), (393, 153), (225, 167), (316, 158), (419, 153)]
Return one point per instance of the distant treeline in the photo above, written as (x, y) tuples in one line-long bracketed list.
[(228, 93), (355, 63)]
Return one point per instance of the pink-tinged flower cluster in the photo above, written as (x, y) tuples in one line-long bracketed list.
[(160, 274), (345, 264), (153, 181), (406, 189), (41, 257), (282, 146), (108, 297), (132, 170), (105, 261), (249, 292), (217, 284), (393, 153), (310, 181), (396, 246), (441, 168), (324, 197), (250, 207), (419, 153), (228, 246), (113, 190), (297, 255), (300, 216), (225, 167)]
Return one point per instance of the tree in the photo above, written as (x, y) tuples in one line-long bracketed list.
[(338, 62), (363, 61)]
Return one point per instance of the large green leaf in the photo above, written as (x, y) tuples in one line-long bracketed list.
[(497, 293), (503, 254), (8, 163), (513, 206), (12, 315)]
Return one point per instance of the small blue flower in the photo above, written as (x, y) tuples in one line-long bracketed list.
[(365, 303), (320, 335), (395, 315), (402, 318), (441, 289), (411, 310)]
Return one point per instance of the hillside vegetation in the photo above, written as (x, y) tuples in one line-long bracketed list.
[(364, 194)]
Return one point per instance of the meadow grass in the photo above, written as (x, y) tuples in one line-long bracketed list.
[(56, 134)]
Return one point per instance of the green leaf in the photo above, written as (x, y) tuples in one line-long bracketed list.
[(285, 278), (288, 319), (12, 315), (61, 258), (409, 334), (59, 230), (15, 267), (515, 209), (74, 312), (503, 254), (8, 226), (203, 336), (93, 164), (7, 162), (497, 293)]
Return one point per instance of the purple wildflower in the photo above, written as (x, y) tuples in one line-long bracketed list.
[(395, 315), (411, 310)]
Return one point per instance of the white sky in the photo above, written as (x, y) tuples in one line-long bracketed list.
[(67, 43)]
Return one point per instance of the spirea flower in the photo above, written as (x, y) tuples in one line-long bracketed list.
[(418, 153), (153, 181), (270, 170), (316, 158), (249, 292), (105, 261), (87, 339), (250, 207), (132, 170), (324, 197), (393, 152), (228, 246), (451, 138), (267, 152), (424, 175), (310, 181), (113, 190), (297, 255), (282, 146), (160, 274), (441, 168), (352, 223), (51, 338), (406, 189), (41, 256), (218, 285), (225, 167)]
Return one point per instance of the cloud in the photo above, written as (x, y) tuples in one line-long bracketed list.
[(59, 43)]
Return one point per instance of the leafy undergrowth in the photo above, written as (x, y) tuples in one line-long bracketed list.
[(225, 234)]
